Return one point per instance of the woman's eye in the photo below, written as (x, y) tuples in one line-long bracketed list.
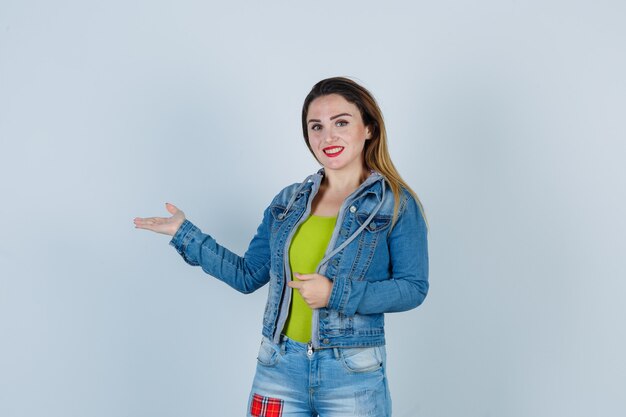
[(341, 123), (316, 127)]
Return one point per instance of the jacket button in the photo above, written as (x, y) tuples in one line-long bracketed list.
[(325, 341), (323, 314), (372, 226), (280, 216), (343, 232), (352, 209), (334, 262)]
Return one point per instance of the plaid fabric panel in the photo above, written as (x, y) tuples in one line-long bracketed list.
[(266, 406)]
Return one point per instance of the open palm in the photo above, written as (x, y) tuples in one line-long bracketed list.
[(165, 225)]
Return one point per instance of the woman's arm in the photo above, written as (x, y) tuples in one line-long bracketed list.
[(245, 274)]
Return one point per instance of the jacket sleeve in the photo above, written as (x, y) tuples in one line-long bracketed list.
[(245, 274), (408, 284)]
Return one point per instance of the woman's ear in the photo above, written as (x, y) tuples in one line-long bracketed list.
[(368, 132)]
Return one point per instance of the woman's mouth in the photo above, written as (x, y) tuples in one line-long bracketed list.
[(333, 151)]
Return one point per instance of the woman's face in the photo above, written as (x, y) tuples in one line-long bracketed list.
[(337, 134)]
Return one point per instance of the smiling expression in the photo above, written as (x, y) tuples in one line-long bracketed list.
[(336, 133)]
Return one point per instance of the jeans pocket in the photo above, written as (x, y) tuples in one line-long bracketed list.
[(361, 359), (269, 353)]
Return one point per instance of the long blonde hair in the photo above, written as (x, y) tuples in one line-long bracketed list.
[(376, 153)]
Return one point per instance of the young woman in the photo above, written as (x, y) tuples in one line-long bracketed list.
[(338, 250)]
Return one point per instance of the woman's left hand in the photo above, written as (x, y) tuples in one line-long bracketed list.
[(314, 288)]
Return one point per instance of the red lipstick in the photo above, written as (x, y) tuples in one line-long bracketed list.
[(333, 151)]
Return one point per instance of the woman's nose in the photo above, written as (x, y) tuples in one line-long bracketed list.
[(330, 137)]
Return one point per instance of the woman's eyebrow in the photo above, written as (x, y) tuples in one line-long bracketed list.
[(339, 115), (332, 118)]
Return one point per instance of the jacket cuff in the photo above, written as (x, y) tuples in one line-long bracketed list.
[(182, 236)]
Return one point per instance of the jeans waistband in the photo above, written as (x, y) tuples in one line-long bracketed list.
[(290, 345)]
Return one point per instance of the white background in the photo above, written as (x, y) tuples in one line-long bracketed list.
[(506, 117)]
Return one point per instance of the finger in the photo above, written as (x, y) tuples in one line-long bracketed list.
[(150, 223), (303, 277), (143, 224), (140, 221), (295, 284), (171, 208), (150, 220)]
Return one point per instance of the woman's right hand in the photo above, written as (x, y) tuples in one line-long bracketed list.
[(165, 225)]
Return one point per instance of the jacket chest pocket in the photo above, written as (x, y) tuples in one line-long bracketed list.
[(367, 243), (280, 217)]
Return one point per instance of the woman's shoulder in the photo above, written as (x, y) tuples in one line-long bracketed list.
[(286, 193), (408, 203), (383, 189), (411, 206)]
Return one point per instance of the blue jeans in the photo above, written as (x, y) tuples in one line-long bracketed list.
[(292, 380)]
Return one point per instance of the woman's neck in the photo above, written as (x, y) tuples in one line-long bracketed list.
[(342, 181)]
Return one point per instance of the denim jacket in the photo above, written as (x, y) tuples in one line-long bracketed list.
[(375, 268)]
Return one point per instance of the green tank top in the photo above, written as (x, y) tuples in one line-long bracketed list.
[(305, 253)]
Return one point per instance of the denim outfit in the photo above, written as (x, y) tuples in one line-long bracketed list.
[(375, 269)]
